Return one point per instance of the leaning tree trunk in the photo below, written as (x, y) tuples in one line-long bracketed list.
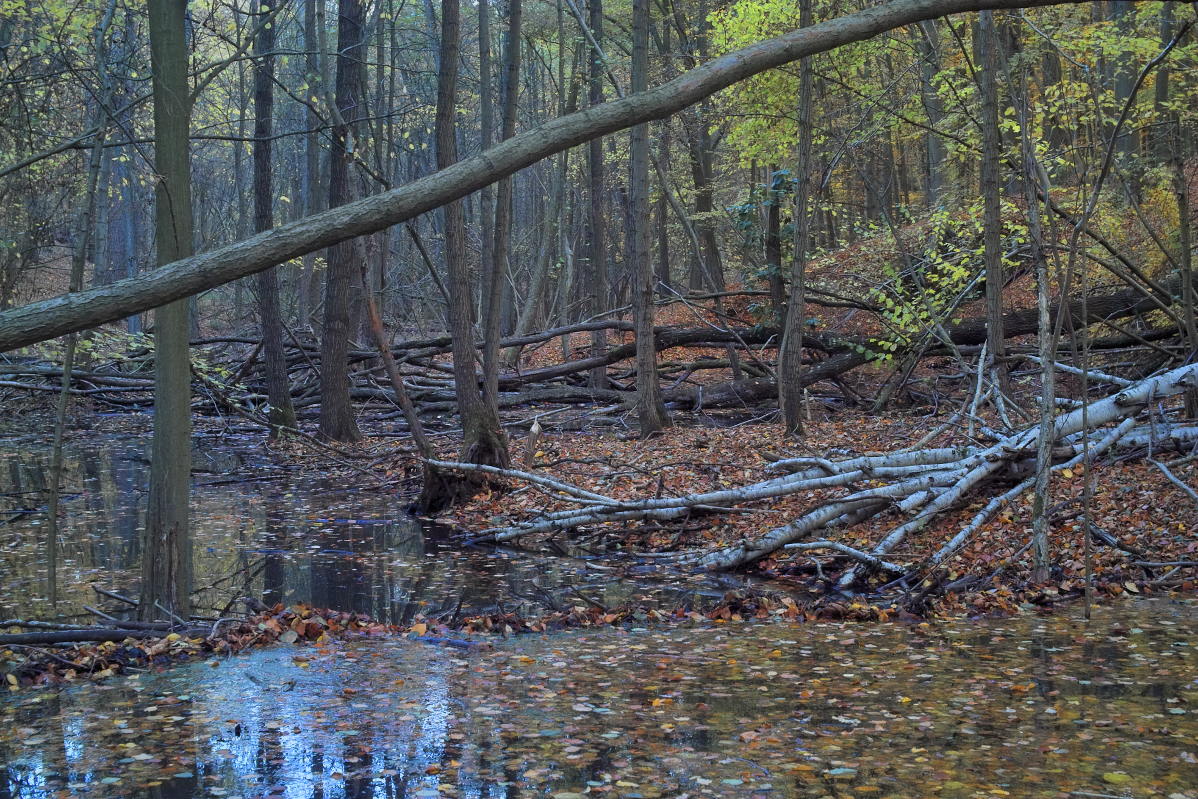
[(166, 572), (48, 319)]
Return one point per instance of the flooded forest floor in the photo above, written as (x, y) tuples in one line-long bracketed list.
[(744, 684)]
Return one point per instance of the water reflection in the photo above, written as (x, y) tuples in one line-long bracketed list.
[(959, 710), (275, 536)]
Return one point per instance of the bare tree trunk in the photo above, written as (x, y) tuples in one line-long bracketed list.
[(166, 571), (1186, 261), (483, 441), (651, 411), (663, 203), (1047, 340), (991, 216), (311, 170), (336, 412), (500, 266), (43, 320), (935, 154), (790, 355), (1161, 139), (596, 275), (278, 387), (486, 197), (773, 245), (84, 227)]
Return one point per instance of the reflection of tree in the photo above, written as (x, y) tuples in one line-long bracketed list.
[(128, 477), (274, 538)]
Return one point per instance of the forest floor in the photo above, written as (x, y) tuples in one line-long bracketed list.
[(1151, 518), (1134, 502)]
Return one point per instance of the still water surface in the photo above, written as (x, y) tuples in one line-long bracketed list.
[(265, 532), (1023, 707)]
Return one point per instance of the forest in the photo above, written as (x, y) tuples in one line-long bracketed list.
[(564, 397)]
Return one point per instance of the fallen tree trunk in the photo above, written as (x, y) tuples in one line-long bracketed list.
[(85, 635), (82, 310), (963, 476), (921, 484)]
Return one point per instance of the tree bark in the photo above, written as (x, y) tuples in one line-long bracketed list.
[(935, 154), (486, 114), (991, 214), (278, 387), (790, 355), (773, 245), (336, 412), (596, 275), (310, 178), (482, 438), (501, 251), (166, 572), (651, 411)]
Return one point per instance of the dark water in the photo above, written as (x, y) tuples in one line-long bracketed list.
[(262, 531), (1024, 707)]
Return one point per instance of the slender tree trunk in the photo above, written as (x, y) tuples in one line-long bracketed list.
[(243, 227), (663, 203), (1125, 76), (42, 320), (166, 572), (1047, 341), (935, 153), (596, 277), (84, 227), (311, 170), (651, 411), (1161, 137), (482, 438), (486, 113), (336, 412), (790, 355), (709, 271), (278, 386), (773, 246), (1186, 262), (499, 268), (991, 215)]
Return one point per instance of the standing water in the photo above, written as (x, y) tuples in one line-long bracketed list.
[(1022, 707)]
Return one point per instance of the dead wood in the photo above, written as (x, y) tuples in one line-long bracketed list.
[(919, 484)]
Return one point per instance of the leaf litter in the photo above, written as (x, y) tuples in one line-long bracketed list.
[(1024, 707)]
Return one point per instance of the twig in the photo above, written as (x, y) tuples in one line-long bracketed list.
[(100, 613), (1174, 479), (114, 595)]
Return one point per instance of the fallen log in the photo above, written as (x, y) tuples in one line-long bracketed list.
[(953, 482), (921, 484), (85, 635)]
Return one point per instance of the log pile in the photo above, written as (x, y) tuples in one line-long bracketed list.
[(916, 485), (229, 373)]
